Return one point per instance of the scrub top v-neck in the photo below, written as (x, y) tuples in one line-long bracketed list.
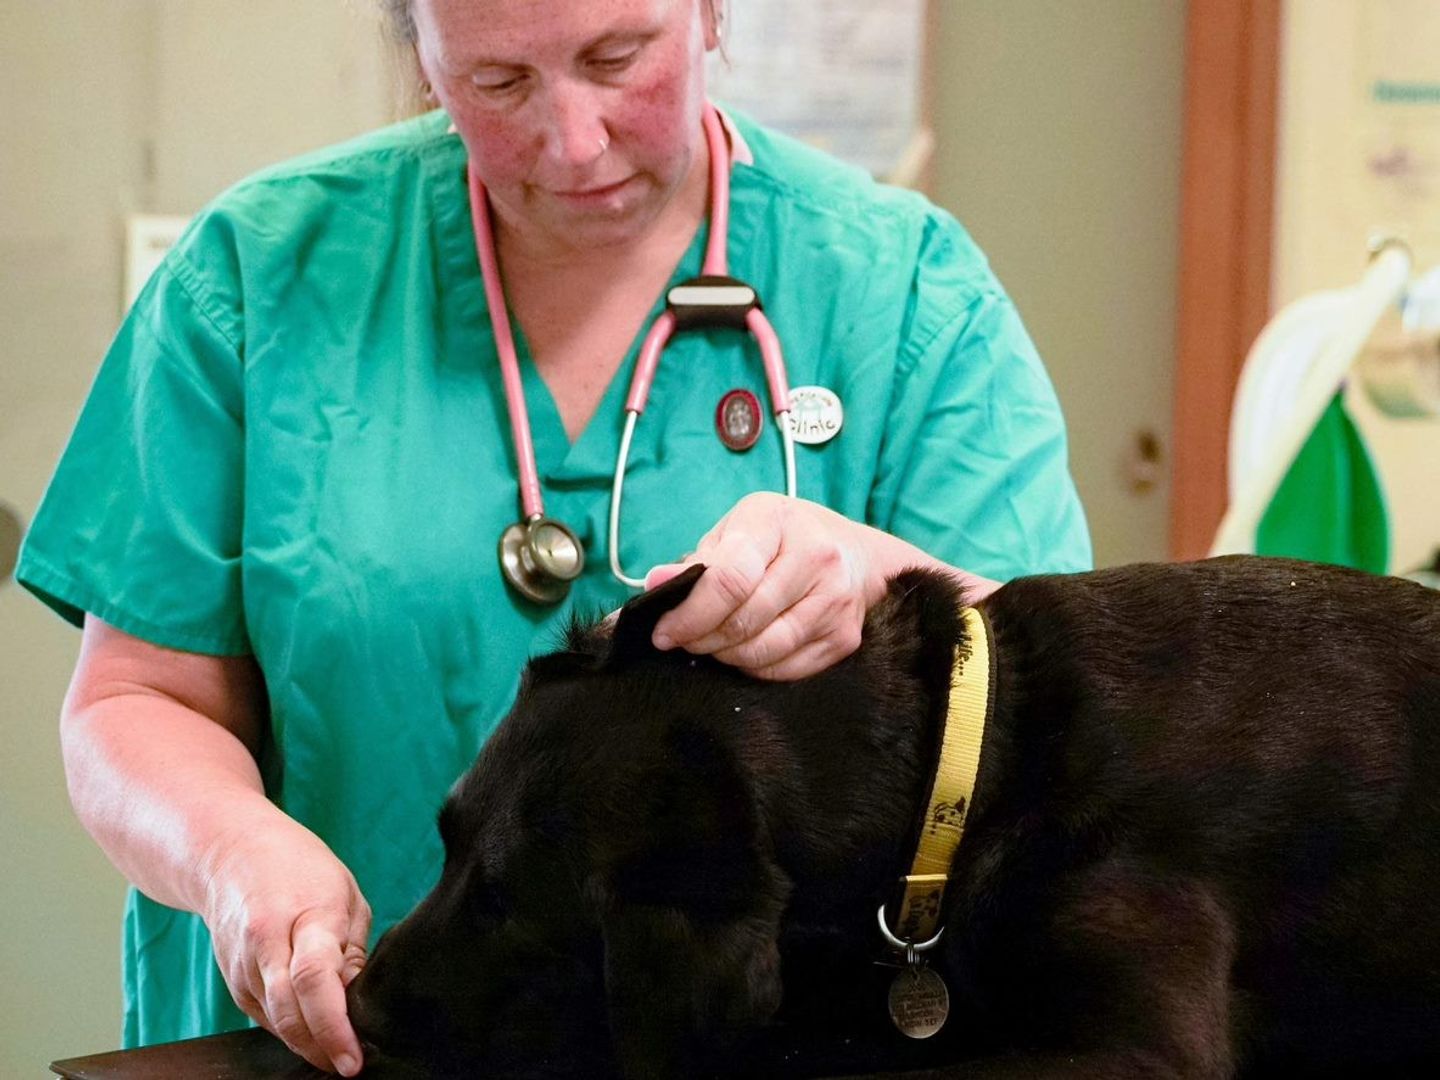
[(297, 447)]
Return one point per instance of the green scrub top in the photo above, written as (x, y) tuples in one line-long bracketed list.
[(298, 447)]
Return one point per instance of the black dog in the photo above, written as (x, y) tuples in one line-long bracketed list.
[(1204, 842)]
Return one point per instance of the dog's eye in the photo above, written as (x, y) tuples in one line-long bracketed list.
[(488, 900)]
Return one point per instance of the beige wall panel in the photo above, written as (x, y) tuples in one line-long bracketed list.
[(1059, 136), (243, 84), (72, 83)]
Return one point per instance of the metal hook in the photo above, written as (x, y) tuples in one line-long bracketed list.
[(908, 947)]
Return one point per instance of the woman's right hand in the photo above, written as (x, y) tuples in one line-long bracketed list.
[(160, 749), (289, 927)]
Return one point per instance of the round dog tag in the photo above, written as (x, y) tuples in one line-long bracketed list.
[(919, 1002)]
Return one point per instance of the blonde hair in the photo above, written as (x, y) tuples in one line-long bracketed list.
[(402, 22)]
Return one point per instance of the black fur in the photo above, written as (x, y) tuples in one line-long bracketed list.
[(1204, 842)]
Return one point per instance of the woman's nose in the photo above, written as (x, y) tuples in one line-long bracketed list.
[(575, 127)]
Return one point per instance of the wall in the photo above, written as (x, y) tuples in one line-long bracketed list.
[(146, 105), (1059, 148), (70, 169), (245, 84)]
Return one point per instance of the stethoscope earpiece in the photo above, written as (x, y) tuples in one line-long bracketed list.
[(540, 557)]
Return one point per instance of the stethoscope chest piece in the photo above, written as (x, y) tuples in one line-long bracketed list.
[(540, 557)]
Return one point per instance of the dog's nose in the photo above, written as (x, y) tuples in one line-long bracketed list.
[(377, 1042), (372, 1013), (388, 1015), (361, 1013)]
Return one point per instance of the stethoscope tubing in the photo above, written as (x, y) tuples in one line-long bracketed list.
[(531, 503), (618, 487), (716, 263)]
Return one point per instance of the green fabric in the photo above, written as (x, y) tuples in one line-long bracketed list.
[(298, 447), (1330, 507)]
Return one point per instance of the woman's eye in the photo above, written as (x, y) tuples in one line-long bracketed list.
[(614, 63), (498, 87)]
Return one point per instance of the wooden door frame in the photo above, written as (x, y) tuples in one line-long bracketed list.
[(1232, 75)]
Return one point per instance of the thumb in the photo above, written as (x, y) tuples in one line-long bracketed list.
[(662, 573)]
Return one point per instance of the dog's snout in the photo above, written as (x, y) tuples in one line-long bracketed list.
[(365, 1017), (387, 1015)]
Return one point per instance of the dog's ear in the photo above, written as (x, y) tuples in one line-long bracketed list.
[(691, 917), (682, 992), (635, 624), (930, 599), (917, 623)]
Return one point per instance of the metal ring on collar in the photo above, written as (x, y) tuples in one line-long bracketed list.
[(905, 946)]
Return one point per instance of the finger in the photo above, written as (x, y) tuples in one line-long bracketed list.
[(355, 953), (315, 968), (785, 583), (810, 659), (733, 570), (736, 554), (249, 1000), (282, 1008), (812, 618), (714, 533), (237, 974), (251, 993), (352, 962), (658, 575)]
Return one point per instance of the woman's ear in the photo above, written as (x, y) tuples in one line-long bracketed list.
[(713, 14), (427, 89)]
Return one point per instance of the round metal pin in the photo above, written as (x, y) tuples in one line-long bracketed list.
[(738, 419), (919, 1002), (816, 414)]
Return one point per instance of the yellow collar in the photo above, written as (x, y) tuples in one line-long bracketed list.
[(968, 711)]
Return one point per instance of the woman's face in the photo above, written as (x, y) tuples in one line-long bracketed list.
[(581, 117)]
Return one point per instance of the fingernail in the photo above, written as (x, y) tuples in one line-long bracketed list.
[(663, 641), (658, 575), (347, 1065)]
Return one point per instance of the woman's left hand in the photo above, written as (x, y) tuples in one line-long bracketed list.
[(786, 587)]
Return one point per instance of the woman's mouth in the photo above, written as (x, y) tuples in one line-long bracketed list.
[(594, 195)]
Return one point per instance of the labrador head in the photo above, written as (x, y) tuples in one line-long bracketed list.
[(608, 904)]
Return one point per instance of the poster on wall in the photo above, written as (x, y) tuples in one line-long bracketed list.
[(147, 238), (1398, 92), (843, 75)]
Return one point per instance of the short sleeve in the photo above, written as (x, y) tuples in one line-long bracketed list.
[(974, 468), (141, 523)]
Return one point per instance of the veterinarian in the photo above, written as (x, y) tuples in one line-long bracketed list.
[(278, 516)]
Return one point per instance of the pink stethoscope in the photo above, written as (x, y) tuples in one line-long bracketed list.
[(541, 556)]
